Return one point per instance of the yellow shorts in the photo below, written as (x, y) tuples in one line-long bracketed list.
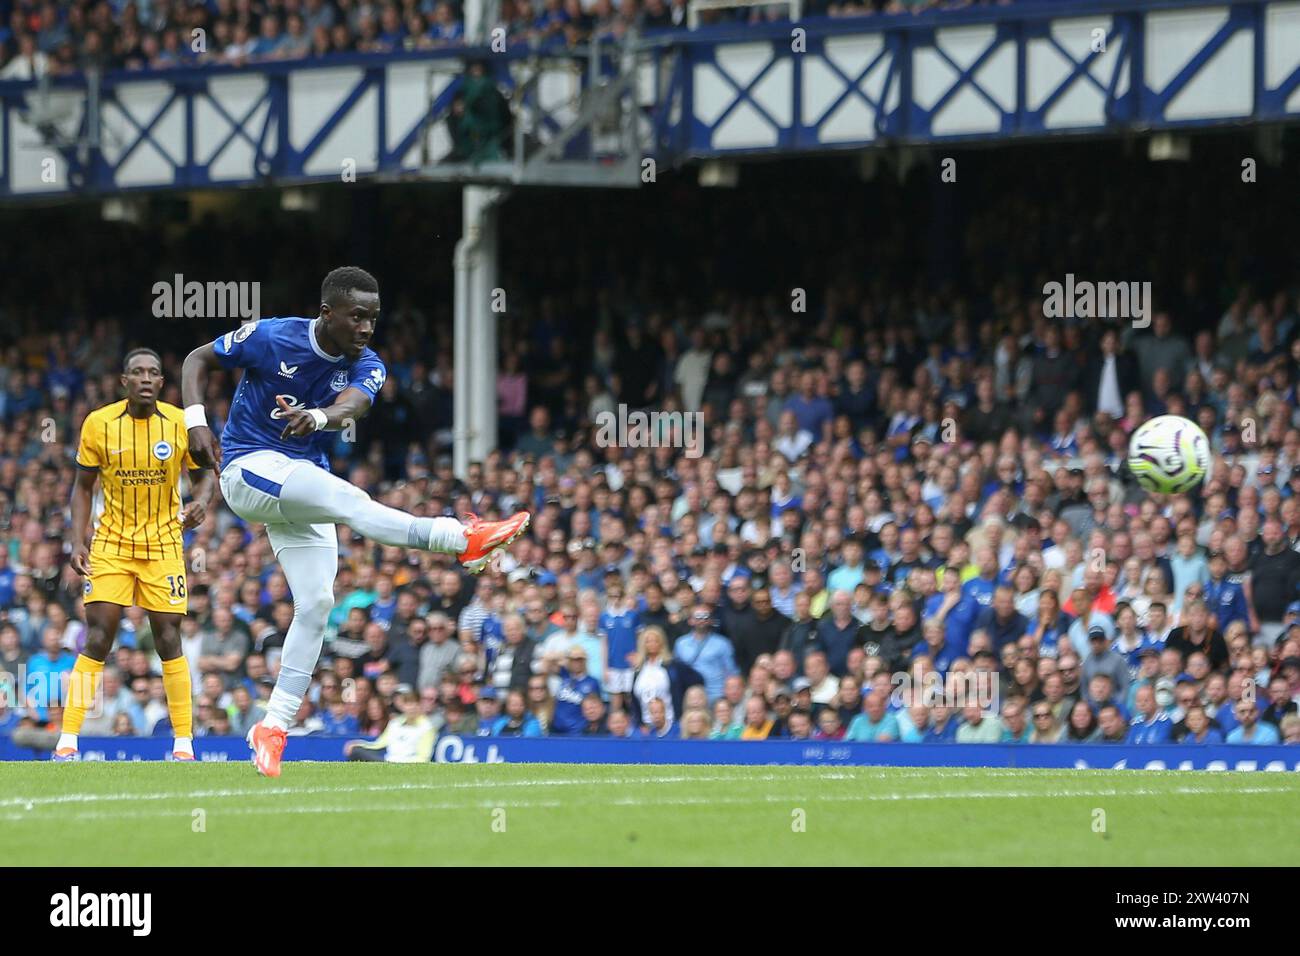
[(157, 585)]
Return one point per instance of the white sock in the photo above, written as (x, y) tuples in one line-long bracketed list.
[(272, 721), (447, 535), (183, 745), (66, 742)]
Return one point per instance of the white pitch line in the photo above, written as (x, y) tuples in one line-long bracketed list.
[(373, 788), (863, 773), (231, 793), (891, 797)]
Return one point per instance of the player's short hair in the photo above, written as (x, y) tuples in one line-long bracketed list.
[(126, 362), (339, 282)]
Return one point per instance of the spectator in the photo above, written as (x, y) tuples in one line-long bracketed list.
[(28, 63), (695, 725), (245, 712), (839, 633), (618, 622), (593, 713), (1047, 727), (1198, 635), (540, 702), (439, 653), (659, 677), (224, 646), (13, 658), (657, 723), (707, 652), (1274, 579), (408, 738), (1103, 660), (724, 726), (799, 725), (829, 726), (1082, 727), (514, 659), (1199, 728), (875, 723), (516, 721), (1291, 729), (821, 686), (487, 708), (1015, 727), (47, 672), (758, 632), (1151, 725), (943, 727), (575, 685), (977, 728), (1114, 729), (803, 634), (1250, 729), (758, 724)]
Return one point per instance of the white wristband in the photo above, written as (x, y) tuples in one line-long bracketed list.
[(195, 417), (318, 417)]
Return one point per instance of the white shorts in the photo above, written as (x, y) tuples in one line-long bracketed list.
[(251, 486), (620, 681)]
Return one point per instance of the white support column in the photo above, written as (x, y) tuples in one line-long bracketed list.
[(483, 335), (475, 347), (460, 355)]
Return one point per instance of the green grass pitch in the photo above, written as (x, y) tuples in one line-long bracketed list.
[(96, 814)]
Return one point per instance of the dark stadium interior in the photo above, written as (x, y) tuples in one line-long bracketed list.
[(1014, 219)]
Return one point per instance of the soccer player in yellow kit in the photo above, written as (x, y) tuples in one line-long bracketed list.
[(136, 448)]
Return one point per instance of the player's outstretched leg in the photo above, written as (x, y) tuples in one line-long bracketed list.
[(312, 495)]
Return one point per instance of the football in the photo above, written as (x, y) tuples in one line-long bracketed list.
[(1169, 455)]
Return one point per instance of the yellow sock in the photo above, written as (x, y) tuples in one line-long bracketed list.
[(81, 692), (180, 697)]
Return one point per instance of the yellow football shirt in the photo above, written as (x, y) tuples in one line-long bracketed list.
[(139, 460)]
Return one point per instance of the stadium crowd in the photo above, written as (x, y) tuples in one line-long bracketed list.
[(39, 37), (917, 475), (918, 531)]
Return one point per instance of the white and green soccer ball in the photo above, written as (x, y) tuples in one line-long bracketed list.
[(1169, 455)]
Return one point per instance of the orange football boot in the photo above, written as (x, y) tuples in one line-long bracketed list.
[(267, 744), (486, 538)]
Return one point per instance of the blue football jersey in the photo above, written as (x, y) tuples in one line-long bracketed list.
[(281, 359), (621, 630)]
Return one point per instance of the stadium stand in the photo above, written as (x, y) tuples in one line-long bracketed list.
[(914, 472), (60, 38)]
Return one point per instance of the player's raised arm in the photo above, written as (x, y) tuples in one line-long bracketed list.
[(204, 447), (351, 405)]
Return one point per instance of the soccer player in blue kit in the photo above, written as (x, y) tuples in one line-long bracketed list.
[(304, 378)]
